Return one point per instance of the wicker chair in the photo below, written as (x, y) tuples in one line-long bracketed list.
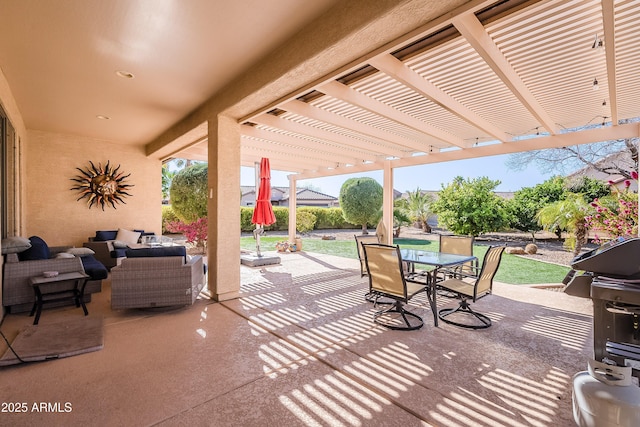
[(166, 281), (387, 279)]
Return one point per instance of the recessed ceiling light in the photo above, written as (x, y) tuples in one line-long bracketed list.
[(101, 117), (125, 74)]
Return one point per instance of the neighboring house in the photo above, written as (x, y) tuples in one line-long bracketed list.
[(621, 160), (280, 197)]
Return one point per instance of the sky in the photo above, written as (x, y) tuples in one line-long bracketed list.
[(426, 177)]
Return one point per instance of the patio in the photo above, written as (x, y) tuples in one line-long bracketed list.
[(299, 348)]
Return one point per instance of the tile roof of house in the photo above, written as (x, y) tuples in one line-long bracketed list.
[(282, 193)]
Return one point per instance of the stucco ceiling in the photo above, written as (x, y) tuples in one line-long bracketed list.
[(60, 58)]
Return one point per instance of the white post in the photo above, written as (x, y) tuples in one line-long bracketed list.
[(387, 201), (292, 208)]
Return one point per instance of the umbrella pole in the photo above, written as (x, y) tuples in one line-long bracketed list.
[(258, 232)]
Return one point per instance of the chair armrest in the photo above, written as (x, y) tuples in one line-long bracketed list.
[(105, 245), (461, 271), (55, 250), (102, 251)]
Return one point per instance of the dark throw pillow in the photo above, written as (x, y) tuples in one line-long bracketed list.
[(157, 252), (104, 235), (38, 250)]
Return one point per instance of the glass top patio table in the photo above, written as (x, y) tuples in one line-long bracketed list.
[(437, 260)]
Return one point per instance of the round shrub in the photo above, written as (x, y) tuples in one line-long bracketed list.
[(189, 190), (360, 200)]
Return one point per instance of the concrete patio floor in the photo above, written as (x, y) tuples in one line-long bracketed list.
[(300, 348)]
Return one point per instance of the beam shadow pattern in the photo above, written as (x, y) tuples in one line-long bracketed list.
[(569, 331), (328, 316)]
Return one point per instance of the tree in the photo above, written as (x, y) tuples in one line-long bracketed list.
[(167, 177), (590, 188), (189, 190), (400, 219), (524, 206), (418, 207), (309, 186), (568, 159), (470, 206), (360, 200), (567, 214)]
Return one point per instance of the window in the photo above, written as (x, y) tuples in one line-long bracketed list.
[(8, 150)]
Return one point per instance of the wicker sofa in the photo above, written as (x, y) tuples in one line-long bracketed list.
[(148, 278), (18, 269), (108, 249)]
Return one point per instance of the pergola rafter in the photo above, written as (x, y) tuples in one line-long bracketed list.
[(492, 78)]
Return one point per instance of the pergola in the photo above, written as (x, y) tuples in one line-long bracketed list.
[(486, 78)]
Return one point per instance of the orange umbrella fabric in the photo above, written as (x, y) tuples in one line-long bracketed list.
[(263, 212)]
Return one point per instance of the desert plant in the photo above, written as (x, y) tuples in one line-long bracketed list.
[(418, 208), (167, 177), (400, 219), (568, 214)]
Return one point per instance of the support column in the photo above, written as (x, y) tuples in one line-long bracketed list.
[(387, 201), (293, 201), (224, 208)]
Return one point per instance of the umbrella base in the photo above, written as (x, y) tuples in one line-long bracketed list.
[(253, 260)]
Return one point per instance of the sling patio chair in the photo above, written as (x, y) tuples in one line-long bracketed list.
[(459, 245), (360, 240), (388, 279), (472, 287)]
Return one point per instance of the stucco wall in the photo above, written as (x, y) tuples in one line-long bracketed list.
[(51, 209)]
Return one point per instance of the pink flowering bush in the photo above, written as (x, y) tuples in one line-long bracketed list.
[(195, 232), (616, 215)]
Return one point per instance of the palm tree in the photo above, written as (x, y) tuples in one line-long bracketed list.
[(400, 219), (418, 206), (167, 177), (568, 214)]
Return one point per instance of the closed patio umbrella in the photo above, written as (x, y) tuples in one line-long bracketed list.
[(263, 212)]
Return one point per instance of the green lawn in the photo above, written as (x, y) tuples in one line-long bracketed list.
[(513, 269)]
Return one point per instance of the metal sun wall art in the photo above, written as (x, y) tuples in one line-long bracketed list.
[(102, 186)]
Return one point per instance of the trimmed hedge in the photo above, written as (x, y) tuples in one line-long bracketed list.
[(326, 218)]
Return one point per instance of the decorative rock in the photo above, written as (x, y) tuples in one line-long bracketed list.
[(518, 250), (282, 246), (531, 248)]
